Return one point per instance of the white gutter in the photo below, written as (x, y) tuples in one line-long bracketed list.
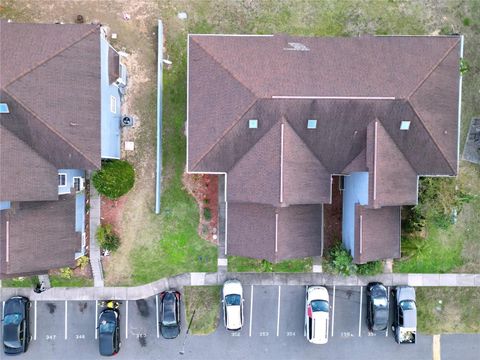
[(276, 232), (375, 163), (459, 107), (7, 242), (361, 234), (281, 163), (334, 97), (158, 183)]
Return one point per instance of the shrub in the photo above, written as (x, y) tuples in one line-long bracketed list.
[(82, 262), (106, 238), (207, 214), (339, 260), (114, 179), (66, 273), (370, 268)]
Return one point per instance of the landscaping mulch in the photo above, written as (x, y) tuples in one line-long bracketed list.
[(332, 217), (111, 211)]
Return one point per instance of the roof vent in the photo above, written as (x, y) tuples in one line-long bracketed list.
[(253, 124), (295, 46), (405, 125), (311, 124), (4, 108), (127, 121)]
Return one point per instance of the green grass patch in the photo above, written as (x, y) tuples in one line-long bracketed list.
[(205, 300), (21, 282), (58, 281), (448, 310), (244, 264)]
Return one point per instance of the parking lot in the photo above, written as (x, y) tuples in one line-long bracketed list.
[(273, 328)]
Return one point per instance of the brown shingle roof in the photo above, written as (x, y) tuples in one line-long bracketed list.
[(41, 236), (377, 233)]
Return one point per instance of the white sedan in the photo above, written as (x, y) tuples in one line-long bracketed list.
[(316, 314), (233, 305)]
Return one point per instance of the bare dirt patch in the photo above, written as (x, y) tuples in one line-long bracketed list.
[(204, 188)]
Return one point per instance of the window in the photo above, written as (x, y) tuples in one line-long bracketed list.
[(62, 179), (312, 124), (253, 124), (77, 183), (4, 108), (405, 125), (113, 104)]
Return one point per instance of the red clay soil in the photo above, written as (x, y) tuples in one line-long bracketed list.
[(332, 217), (111, 211), (204, 188)]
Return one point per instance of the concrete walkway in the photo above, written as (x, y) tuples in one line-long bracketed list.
[(95, 261), (201, 279)]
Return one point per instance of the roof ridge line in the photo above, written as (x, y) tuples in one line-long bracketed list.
[(431, 71), (431, 137), (52, 129), (225, 134), (51, 57), (227, 70), (306, 145)]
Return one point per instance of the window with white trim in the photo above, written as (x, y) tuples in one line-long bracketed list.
[(62, 179), (113, 104), (77, 183)]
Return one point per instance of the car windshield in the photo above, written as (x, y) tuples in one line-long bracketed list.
[(12, 319), (380, 301), (319, 305), (407, 304), (232, 299), (107, 327)]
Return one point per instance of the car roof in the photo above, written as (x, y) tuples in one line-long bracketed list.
[(320, 327), (106, 343)]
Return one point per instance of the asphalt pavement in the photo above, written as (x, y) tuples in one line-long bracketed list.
[(273, 329)]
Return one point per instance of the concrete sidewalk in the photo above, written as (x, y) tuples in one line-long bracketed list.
[(201, 279)]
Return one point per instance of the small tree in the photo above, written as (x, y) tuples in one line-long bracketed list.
[(114, 179), (106, 238)]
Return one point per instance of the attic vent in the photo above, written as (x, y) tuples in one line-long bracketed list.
[(4, 108), (405, 125), (312, 124), (252, 123), (296, 47)]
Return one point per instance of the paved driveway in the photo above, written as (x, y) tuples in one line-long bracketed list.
[(273, 329)]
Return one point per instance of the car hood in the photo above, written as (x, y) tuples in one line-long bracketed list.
[(234, 319), (14, 306), (170, 332), (232, 287), (405, 293)]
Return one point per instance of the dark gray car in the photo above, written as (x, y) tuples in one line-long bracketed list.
[(170, 318), (377, 307), (109, 332), (16, 325)]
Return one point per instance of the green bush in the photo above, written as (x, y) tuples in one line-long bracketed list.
[(207, 214), (106, 238), (82, 262), (114, 179), (370, 268), (66, 273), (340, 262)]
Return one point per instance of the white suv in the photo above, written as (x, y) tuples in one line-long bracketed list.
[(232, 305), (316, 314)]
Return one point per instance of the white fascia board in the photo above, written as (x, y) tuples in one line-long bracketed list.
[(234, 35), (459, 121)]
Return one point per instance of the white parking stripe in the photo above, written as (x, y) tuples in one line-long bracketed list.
[(333, 309), (251, 310), (156, 306), (388, 301), (360, 316), (66, 320), (96, 319), (126, 320), (278, 310), (35, 321)]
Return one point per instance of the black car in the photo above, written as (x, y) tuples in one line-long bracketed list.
[(170, 319), (377, 307), (16, 325), (109, 332)]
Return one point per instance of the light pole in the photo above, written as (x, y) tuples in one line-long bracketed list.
[(182, 352)]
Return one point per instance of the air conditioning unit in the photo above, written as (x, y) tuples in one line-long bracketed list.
[(122, 79), (126, 121)]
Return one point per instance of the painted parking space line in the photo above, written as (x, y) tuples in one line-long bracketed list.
[(126, 320), (35, 320), (388, 302), (278, 310), (158, 322), (66, 320), (96, 319), (333, 309), (251, 310), (360, 313)]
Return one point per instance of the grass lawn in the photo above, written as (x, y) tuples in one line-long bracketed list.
[(21, 282), (448, 310), (205, 300), (57, 281), (244, 264)]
